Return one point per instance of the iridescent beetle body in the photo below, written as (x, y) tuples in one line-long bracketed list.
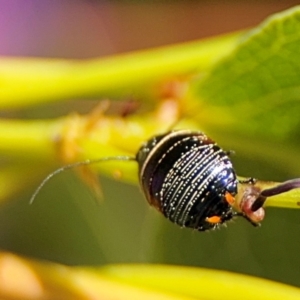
[(187, 177)]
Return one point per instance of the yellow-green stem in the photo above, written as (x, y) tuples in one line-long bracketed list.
[(28, 139), (30, 81)]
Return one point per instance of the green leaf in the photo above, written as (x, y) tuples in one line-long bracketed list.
[(256, 88), (249, 101)]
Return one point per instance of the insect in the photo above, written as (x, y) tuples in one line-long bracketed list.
[(187, 177)]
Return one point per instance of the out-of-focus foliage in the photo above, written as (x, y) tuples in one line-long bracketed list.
[(241, 89), (27, 279)]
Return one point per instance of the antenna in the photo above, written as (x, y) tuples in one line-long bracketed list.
[(78, 164), (276, 190)]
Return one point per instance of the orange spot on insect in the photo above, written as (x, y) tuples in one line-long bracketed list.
[(229, 198), (214, 219)]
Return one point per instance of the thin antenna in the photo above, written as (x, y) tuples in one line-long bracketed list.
[(276, 190), (281, 188), (77, 164)]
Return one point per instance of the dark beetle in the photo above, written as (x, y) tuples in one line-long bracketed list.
[(187, 177)]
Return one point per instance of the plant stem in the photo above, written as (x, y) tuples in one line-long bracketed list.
[(27, 139), (27, 81)]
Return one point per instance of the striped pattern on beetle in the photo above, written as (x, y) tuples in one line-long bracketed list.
[(187, 177)]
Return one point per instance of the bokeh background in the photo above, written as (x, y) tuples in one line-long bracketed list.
[(66, 224)]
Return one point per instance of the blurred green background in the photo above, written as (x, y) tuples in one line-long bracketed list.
[(66, 224)]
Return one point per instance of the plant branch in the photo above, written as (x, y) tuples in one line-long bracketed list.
[(48, 80)]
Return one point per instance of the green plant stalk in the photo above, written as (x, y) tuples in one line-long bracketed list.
[(28, 139), (36, 144), (28, 81)]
